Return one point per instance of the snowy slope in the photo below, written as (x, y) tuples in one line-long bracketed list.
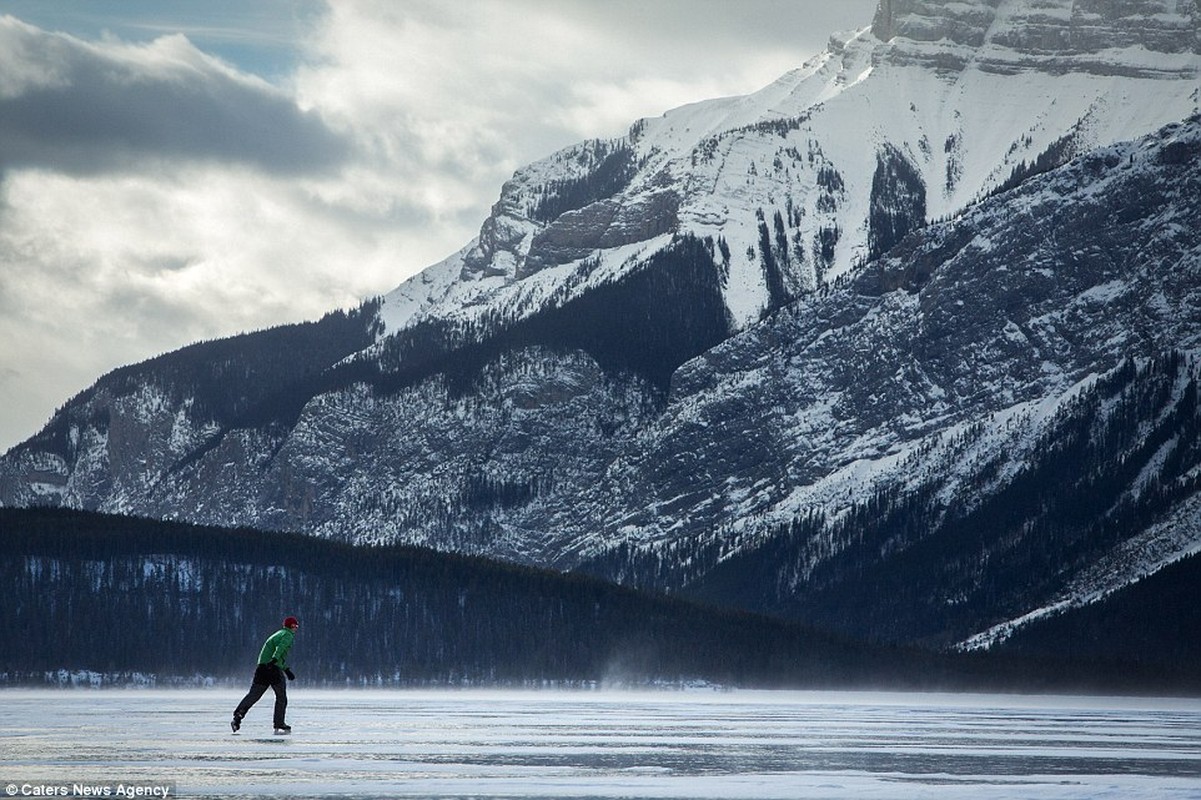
[(965, 93), (1000, 392)]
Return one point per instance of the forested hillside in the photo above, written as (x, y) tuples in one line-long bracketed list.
[(1119, 456), (117, 596)]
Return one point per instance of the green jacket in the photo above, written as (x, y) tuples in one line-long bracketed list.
[(276, 647)]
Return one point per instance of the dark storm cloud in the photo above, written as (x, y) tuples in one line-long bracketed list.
[(83, 108)]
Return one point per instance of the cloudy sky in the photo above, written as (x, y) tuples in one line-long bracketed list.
[(179, 171)]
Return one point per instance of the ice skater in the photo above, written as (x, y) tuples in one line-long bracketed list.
[(270, 672)]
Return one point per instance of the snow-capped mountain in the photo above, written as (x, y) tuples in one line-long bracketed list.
[(1001, 410), (934, 106), (863, 325)]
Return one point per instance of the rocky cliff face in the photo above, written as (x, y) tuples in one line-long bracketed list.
[(1044, 28), (728, 350)]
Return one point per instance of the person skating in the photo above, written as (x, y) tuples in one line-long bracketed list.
[(271, 670)]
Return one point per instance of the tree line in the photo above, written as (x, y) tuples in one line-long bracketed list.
[(114, 594), (132, 597)]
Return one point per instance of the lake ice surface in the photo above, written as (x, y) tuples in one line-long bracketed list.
[(602, 744)]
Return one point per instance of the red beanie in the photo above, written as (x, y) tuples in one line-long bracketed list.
[(291, 622)]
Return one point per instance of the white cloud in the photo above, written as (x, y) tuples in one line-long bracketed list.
[(74, 106), (154, 195)]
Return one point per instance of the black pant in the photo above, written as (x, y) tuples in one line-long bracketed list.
[(266, 675)]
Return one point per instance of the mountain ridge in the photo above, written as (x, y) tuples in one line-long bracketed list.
[(797, 147)]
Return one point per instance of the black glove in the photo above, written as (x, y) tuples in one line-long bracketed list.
[(288, 672)]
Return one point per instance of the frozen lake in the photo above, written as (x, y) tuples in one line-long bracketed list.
[(560, 744)]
